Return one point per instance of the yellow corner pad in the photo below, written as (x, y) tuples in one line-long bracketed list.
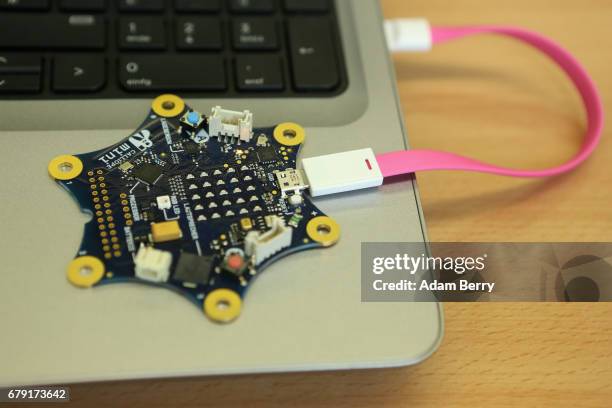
[(168, 105), (222, 305), (323, 230), (65, 167), (85, 271), (289, 134)]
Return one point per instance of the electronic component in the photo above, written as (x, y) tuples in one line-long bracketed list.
[(189, 211), (200, 137), (262, 245), (291, 181), (232, 124), (126, 166), (192, 119), (148, 215), (235, 234), (262, 140), (266, 154), (148, 173), (246, 224), (192, 268), (164, 202), (152, 264), (234, 261), (191, 147), (295, 220), (166, 231), (296, 200)]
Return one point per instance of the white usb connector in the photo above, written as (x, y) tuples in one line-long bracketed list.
[(340, 172), (408, 35)]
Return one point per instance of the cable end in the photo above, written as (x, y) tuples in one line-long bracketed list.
[(408, 35), (340, 172)]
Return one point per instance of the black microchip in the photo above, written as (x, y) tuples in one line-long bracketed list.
[(266, 154), (191, 147), (149, 173), (193, 268)]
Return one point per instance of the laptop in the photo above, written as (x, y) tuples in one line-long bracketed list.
[(77, 76)]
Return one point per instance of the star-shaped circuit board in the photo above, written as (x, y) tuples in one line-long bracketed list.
[(199, 204)]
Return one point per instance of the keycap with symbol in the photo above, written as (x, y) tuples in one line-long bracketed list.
[(20, 63), (198, 33), (20, 73), (313, 55), (259, 72), (78, 73), (257, 33), (11, 83)]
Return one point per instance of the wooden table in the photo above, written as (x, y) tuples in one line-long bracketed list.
[(496, 100)]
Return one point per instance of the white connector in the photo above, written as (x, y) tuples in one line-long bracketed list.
[(152, 264), (339, 172), (408, 35), (228, 123), (261, 246), (291, 181)]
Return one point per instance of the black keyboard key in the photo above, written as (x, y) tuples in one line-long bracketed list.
[(197, 6), (19, 64), (198, 33), (78, 73), (252, 6), (41, 31), (141, 5), (172, 73), (259, 73), (258, 33), (24, 4), (193, 56), (19, 83), (313, 55), (307, 6), (83, 5), (142, 33)]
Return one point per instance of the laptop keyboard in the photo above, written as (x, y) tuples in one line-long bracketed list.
[(67, 49)]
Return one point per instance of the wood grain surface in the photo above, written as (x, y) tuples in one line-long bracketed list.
[(499, 101)]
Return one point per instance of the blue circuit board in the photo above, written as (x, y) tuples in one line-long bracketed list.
[(201, 211)]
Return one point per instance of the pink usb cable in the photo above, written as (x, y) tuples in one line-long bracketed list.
[(357, 169), (406, 38)]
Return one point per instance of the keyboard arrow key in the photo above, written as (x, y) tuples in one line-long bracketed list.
[(78, 73), (19, 64), (19, 83)]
